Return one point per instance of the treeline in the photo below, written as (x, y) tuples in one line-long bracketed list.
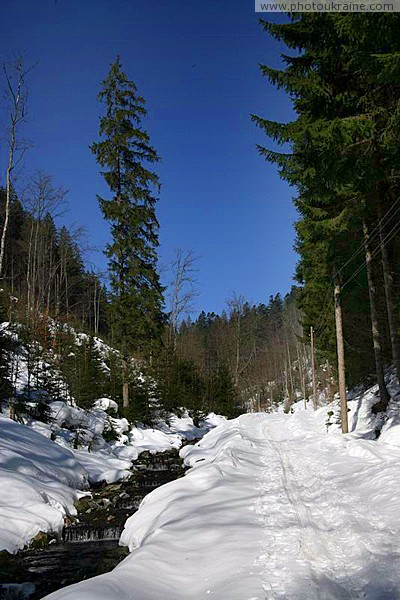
[(260, 347), (342, 154), (44, 270), (249, 357)]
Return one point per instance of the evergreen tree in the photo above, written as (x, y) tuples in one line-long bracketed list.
[(141, 407), (82, 366), (180, 384), (7, 348), (343, 159), (124, 151), (222, 392), (71, 274)]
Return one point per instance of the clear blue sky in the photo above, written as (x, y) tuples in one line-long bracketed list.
[(196, 64)]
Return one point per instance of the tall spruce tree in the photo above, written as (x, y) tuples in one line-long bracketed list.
[(124, 152), (344, 163)]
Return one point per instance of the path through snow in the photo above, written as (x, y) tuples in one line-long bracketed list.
[(273, 508), (325, 535)]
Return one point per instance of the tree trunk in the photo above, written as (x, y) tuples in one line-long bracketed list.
[(286, 382), (301, 374), (258, 401), (13, 415), (376, 338), (8, 200), (289, 359), (125, 384), (237, 357), (17, 98), (389, 297)]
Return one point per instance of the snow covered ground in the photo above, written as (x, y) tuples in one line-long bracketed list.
[(273, 507), (40, 479)]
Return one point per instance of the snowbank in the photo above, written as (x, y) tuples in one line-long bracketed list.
[(40, 477), (42, 465), (106, 404), (101, 466), (166, 436), (194, 533), (38, 483)]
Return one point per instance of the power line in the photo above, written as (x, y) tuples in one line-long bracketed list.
[(389, 236), (387, 217), (321, 323), (373, 233)]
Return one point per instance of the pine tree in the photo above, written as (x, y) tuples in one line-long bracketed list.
[(71, 275), (180, 384), (124, 151)]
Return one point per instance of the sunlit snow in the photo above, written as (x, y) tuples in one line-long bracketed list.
[(273, 507)]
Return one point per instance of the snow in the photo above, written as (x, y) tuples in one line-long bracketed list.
[(273, 508), (38, 483), (44, 465), (166, 436), (41, 470), (106, 404), (101, 466)]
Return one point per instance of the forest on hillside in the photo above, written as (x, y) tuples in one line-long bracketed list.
[(340, 155)]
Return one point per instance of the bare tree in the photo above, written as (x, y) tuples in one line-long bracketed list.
[(16, 95), (244, 346), (42, 200), (182, 290)]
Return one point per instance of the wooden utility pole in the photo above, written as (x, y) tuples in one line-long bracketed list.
[(314, 381), (340, 355), (302, 375)]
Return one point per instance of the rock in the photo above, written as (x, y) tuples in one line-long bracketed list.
[(41, 540)]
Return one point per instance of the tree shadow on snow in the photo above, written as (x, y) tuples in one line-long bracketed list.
[(377, 581)]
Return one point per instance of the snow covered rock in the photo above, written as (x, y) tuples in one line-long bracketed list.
[(106, 404), (102, 466)]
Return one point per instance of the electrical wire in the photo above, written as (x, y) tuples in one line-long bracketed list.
[(387, 217), (389, 236), (373, 233)]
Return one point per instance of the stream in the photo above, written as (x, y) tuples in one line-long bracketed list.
[(89, 542)]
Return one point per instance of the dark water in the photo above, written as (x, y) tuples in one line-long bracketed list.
[(89, 546)]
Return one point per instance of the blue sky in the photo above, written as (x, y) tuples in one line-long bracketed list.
[(196, 64)]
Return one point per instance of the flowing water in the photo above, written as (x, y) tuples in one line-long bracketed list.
[(89, 544)]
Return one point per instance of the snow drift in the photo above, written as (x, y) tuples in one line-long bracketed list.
[(38, 482)]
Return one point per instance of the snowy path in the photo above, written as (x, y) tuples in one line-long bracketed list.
[(324, 537), (273, 508)]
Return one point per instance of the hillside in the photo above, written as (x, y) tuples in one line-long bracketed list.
[(57, 449)]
